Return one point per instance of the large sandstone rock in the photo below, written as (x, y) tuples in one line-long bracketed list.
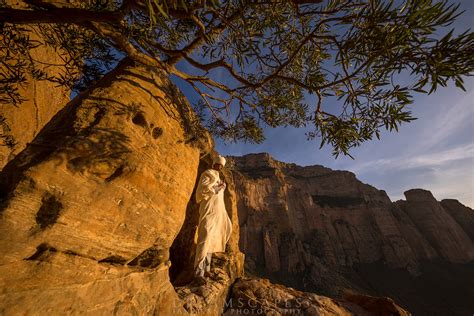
[(90, 208), (322, 230), (42, 99)]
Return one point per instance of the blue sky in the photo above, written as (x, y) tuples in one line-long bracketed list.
[(435, 152)]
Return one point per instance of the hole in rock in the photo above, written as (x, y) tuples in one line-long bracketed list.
[(156, 132), (49, 211), (139, 119), (150, 258)]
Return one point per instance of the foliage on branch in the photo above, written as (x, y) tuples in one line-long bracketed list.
[(345, 69)]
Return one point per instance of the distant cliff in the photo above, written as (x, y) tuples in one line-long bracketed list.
[(319, 229)]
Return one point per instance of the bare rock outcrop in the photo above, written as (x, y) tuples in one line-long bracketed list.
[(92, 206), (254, 296), (302, 214), (211, 298)]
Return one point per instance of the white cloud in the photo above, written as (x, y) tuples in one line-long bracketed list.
[(421, 160), (451, 119)]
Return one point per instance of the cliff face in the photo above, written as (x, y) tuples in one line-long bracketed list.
[(91, 207), (315, 228)]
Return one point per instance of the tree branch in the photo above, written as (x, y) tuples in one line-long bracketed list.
[(122, 43), (58, 16), (200, 37)]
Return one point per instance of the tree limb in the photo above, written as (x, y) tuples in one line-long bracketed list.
[(58, 16)]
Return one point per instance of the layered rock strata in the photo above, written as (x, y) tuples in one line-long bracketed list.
[(314, 228)]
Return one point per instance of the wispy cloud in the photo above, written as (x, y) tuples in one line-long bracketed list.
[(448, 122), (421, 160)]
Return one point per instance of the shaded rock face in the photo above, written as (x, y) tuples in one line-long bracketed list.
[(446, 235), (90, 209), (42, 99), (463, 215), (313, 227)]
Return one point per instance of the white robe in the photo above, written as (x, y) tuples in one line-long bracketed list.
[(215, 226)]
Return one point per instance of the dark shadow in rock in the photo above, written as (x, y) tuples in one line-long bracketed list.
[(140, 120), (156, 132), (42, 252), (183, 248), (117, 173), (49, 211), (151, 258), (114, 260)]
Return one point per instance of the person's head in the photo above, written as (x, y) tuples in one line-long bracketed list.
[(218, 163)]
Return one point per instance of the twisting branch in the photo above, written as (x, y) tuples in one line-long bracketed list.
[(123, 44)]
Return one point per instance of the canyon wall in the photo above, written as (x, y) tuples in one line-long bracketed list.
[(314, 228)]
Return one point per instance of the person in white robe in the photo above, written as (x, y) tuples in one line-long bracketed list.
[(214, 227)]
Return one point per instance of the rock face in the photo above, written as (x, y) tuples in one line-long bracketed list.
[(463, 215), (211, 298), (313, 227), (446, 235), (91, 208), (42, 99), (100, 204)]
